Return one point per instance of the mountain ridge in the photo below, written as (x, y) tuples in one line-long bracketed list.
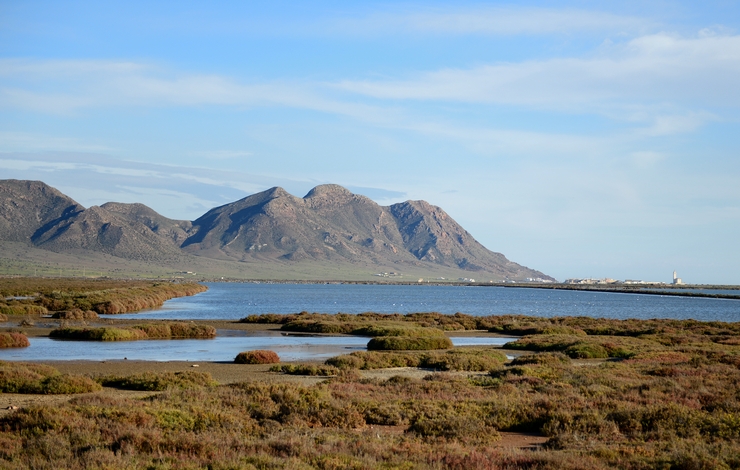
[(329, 226)]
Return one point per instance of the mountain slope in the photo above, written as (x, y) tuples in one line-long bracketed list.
[(29, 206), (331, 223)]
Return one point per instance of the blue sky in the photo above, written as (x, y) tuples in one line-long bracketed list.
[(583, 139)]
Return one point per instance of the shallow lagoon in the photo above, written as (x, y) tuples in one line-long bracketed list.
[(219, 349), (237, 300)]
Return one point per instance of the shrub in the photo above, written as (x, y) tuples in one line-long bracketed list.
[(259, 356), (3, 317), (577, 346), (64, 385), (396, 329), (98, 334), (546, 358), (375, 360), (23, 309), (76, 314), (408, 343), (153, 382), (13, 340), (464, 359), (305, 369), (19, 377), (179, 330), (147, 331)]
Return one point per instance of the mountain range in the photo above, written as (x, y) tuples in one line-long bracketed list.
[(330, 228)]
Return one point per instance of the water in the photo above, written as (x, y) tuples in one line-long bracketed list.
[(219, 349), (234, 301)]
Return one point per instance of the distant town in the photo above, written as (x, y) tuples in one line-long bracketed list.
[(676, 281)]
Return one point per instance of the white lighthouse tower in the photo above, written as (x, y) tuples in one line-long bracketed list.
[(676, 280)]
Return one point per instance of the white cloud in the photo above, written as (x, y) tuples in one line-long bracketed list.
[(653, 68)]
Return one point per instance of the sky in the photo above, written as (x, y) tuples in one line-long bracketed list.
[(579, 138)]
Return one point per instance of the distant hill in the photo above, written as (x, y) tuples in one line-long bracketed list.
[(328, 227)]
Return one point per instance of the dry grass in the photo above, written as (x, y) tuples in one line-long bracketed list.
[(670, 401)]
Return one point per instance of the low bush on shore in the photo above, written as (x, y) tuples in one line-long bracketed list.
[(98, 334), (259, 356), (22, 309), (19, 377), (76, 314), (173, 330), (409, 343), (13, 340), (155, 382), (178, 330)]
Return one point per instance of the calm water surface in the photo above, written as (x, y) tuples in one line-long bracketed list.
[(219, 349), (235, 301)]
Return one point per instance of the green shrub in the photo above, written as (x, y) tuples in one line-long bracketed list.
[(13, 340), (579, 347), (396, 329), (408, 343), (23, 309), (147, 331), (313, 326), (19, 377), (464, 359), (305, 369), (98, 334), (375, 360), (259, 356), (65, 384), (545, 358), (150, 381)]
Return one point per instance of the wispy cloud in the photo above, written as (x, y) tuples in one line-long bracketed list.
[(650, 68), (509, 20)]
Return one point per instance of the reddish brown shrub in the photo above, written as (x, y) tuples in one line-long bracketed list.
[(13, 340), (259, 356)]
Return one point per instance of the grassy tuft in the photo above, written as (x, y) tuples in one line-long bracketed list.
[(259, 356)]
